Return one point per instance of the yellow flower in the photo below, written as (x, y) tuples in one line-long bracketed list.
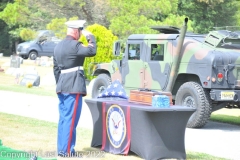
[(29, 84)]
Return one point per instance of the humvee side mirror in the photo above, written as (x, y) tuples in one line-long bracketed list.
[(116, 48)]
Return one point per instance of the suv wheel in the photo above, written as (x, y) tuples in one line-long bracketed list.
[(100, 84), (33, 55), (191, 94)]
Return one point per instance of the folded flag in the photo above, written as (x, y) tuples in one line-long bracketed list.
[(114, 90)]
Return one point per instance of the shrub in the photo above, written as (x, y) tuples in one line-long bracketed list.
[(105, 40)]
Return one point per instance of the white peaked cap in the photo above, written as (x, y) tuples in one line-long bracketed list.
[(75, 23)]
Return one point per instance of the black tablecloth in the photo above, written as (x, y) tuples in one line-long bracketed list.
[(156, 133)]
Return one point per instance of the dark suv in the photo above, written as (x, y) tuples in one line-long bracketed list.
[(42, 45)]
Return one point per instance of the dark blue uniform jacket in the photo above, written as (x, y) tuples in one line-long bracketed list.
[(71, 53)]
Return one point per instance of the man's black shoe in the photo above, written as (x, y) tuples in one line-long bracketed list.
[(62, 155)]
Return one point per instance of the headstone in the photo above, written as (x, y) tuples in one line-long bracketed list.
[(31, 76), (38, 61), (44, 61), (15, 61)]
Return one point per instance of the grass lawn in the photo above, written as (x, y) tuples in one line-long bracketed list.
[(31, 135), (225, 115)]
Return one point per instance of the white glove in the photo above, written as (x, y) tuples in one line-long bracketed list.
[(86, 33)]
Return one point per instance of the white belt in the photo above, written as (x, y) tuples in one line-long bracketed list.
[(72, 69)]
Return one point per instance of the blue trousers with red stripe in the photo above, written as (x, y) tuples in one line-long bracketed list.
[(70, 106)]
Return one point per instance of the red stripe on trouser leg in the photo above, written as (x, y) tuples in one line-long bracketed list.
[(128, 122), (103, 125), (72, 125)]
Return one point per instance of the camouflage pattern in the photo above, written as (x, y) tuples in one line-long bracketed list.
[(187, 58)]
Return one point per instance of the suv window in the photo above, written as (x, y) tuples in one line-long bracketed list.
[(157, 52), (134, 51)]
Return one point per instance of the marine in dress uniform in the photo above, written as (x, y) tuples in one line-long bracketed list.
[(69, 55)]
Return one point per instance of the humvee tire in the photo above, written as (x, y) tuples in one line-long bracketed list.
[(101, 82), (191, 94)]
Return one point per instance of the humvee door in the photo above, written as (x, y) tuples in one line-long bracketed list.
[(157, 64), (132, 65)]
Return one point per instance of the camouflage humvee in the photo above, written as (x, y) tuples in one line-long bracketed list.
[(201, 71)]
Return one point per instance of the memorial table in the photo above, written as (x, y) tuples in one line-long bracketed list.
[(155, 133)]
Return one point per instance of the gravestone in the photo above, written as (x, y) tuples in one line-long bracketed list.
[(43, 61), (34, 79), (14, 68), (31, 76), (15, 61)]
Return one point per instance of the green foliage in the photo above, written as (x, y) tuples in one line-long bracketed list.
[(4, 37), (15, 33), (211, 2), (105, 40), (206, 16), (63, 3), (237, 15), (3, 3), (142, 7), (12, 14), (136, 16), (58, 26), (177, 21), (123, 26), (27, 34), (29, 14)]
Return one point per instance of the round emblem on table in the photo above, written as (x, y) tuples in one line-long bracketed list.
[(116, 125)]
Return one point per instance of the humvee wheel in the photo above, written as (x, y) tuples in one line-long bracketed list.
[(100, 84), (191, 94)]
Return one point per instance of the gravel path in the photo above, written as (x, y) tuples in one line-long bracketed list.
[(218, 139)]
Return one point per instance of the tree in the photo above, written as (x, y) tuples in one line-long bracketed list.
[(136, 16), (237, 15), (58, 27), (23, 14), (4, 37), (211, 2), (35, 14), (207, 14)]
